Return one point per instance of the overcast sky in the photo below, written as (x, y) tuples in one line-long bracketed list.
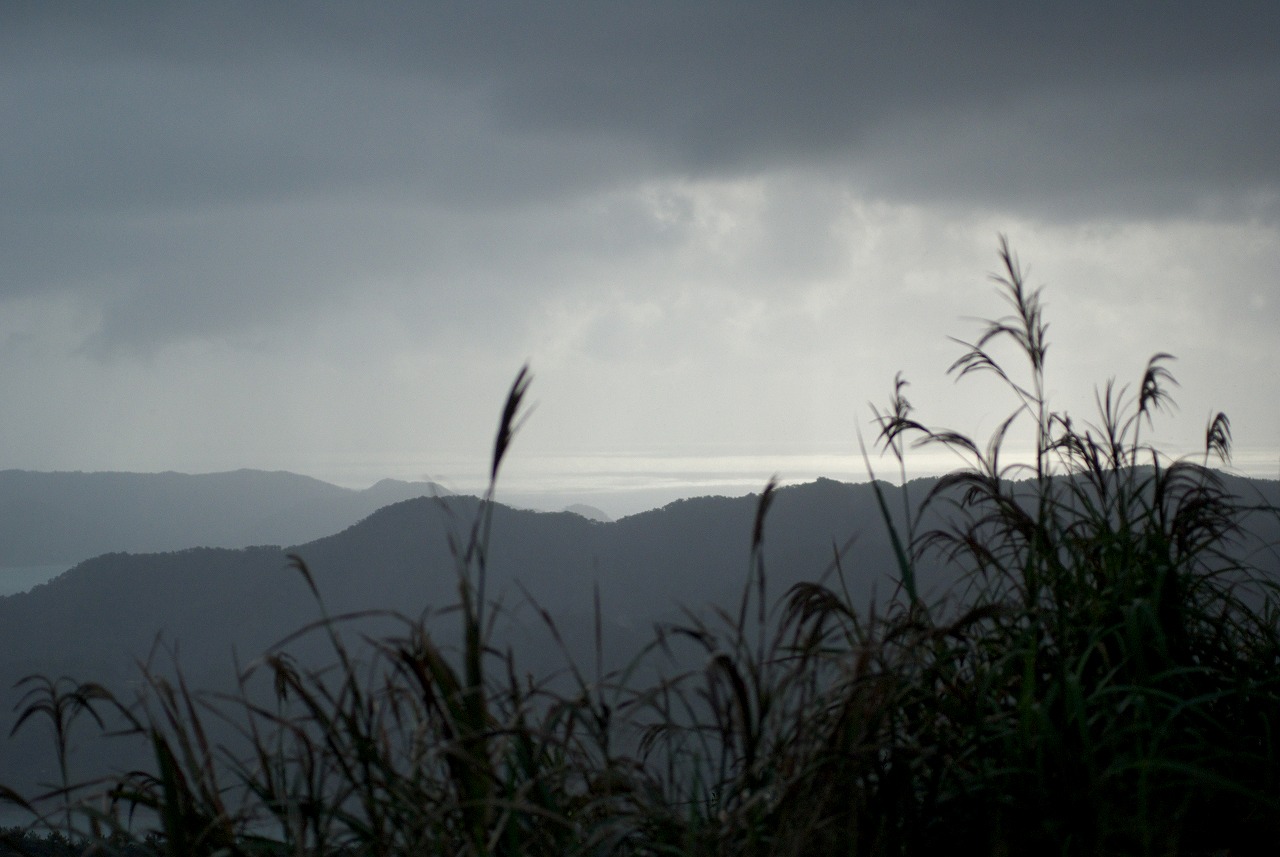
[(325, 237)]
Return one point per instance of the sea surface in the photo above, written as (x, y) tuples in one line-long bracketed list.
[(626, 483)]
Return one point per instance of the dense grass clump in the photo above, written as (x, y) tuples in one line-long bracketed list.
[(1103, 681)]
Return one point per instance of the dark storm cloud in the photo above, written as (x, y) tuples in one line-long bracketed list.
[(199, 167), (210, 101)]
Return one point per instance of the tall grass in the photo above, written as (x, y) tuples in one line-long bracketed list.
[(1103, 680)]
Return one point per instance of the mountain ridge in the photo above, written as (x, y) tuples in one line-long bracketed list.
[(64, 517), (108, 614)]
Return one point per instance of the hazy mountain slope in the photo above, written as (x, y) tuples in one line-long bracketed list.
[(50, 518), (94, 621)]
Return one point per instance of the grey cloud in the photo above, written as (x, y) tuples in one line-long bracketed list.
[(199, 168), (289, 97), (442, 273), (140, 138)]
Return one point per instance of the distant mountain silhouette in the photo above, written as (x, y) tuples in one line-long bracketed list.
[(97, 620), (590, 512), (64, 518)]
